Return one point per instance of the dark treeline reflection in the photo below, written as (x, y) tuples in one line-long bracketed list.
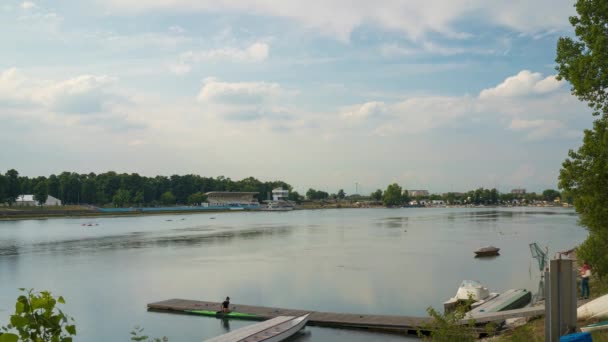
[(183, 237)]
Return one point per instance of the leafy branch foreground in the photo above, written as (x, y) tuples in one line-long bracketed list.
[(37, 318)]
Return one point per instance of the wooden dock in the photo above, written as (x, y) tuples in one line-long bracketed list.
[(402, 324)]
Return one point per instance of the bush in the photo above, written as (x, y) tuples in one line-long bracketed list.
[(37, 319)]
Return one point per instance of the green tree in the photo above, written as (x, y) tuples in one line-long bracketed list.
[(376, 195), (167, 198), (584, 175), (3, 189), (392, 195), (550, 195), (584, 62), (138, 198), (341, 194), (295, 196), (13, 187), (405, 197), (122, 198), (41, 192), (197, 198), (37, 319)]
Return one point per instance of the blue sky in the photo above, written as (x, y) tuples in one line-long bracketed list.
[(436, 94)]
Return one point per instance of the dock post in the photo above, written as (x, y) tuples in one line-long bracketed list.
[(560, 299)]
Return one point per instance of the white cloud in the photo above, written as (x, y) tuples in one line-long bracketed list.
[(180, 68), (81, 94), (339, 18), (538, 117), (537, 129), (365, 111), (28, 5), (177, 29), (238, 93), (429, 47), (524, 83), (256, 52)]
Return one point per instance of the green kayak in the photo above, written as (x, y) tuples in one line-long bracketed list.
[(232, 314)]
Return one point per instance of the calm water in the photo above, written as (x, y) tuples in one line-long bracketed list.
[(385, 261)]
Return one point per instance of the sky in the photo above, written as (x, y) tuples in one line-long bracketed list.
[(444, 95)]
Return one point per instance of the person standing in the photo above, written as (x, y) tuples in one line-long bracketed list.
[(226, 305), (585, 275)]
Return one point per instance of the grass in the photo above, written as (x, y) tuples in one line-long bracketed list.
[(534, 330)]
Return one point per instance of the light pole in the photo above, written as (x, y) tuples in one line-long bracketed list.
[(356, 188)]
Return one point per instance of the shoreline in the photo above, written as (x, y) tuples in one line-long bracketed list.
[(41, 214)]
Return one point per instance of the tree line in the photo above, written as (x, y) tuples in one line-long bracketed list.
[(395, 195), (122, 189)]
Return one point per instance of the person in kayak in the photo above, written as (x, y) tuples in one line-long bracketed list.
[(226, 305)]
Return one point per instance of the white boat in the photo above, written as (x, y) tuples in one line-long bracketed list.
[(596, 326), (280, 205), (470, 289), (597, 308), (272, 330)]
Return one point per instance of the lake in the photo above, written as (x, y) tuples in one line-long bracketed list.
[(371, 261)]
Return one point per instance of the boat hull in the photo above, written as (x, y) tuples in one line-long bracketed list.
[(594, 327), (276, 329), (597, 308)]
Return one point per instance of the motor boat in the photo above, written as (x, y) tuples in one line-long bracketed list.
[(487, 251), (469, 290)]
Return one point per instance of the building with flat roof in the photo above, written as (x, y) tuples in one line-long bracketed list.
[(279, 194), (231, 198), (518, 191), (418, 193), (28, 200)]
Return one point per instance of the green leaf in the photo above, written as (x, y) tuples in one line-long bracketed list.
[(9, 338), (61, 300), (18, 321), (71, 329), (19, 308)]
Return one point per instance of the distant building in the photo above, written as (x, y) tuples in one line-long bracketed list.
[(418, 193), (518, 191), (28, 200), (230, 198), (279, 194)]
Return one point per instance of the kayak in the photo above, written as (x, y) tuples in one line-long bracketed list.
[(597, 326), (231, 314)]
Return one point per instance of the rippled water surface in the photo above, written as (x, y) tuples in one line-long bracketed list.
[(383, 261)]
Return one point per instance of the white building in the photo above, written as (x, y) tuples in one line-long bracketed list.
[(279, 194), (28, 200)]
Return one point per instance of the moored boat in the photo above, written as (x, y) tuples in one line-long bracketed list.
[(596, 326), (272, 330), (469, 290), (508, 300), (597, 308), (487, 251)]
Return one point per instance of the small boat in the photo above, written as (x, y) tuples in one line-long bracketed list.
[(487, 251), (597, 308), (272, 330), (469, 289), (219, 314), (508, 300), (596, 326)]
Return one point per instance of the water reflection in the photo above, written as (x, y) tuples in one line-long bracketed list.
[(225, 324), (187, 237)]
